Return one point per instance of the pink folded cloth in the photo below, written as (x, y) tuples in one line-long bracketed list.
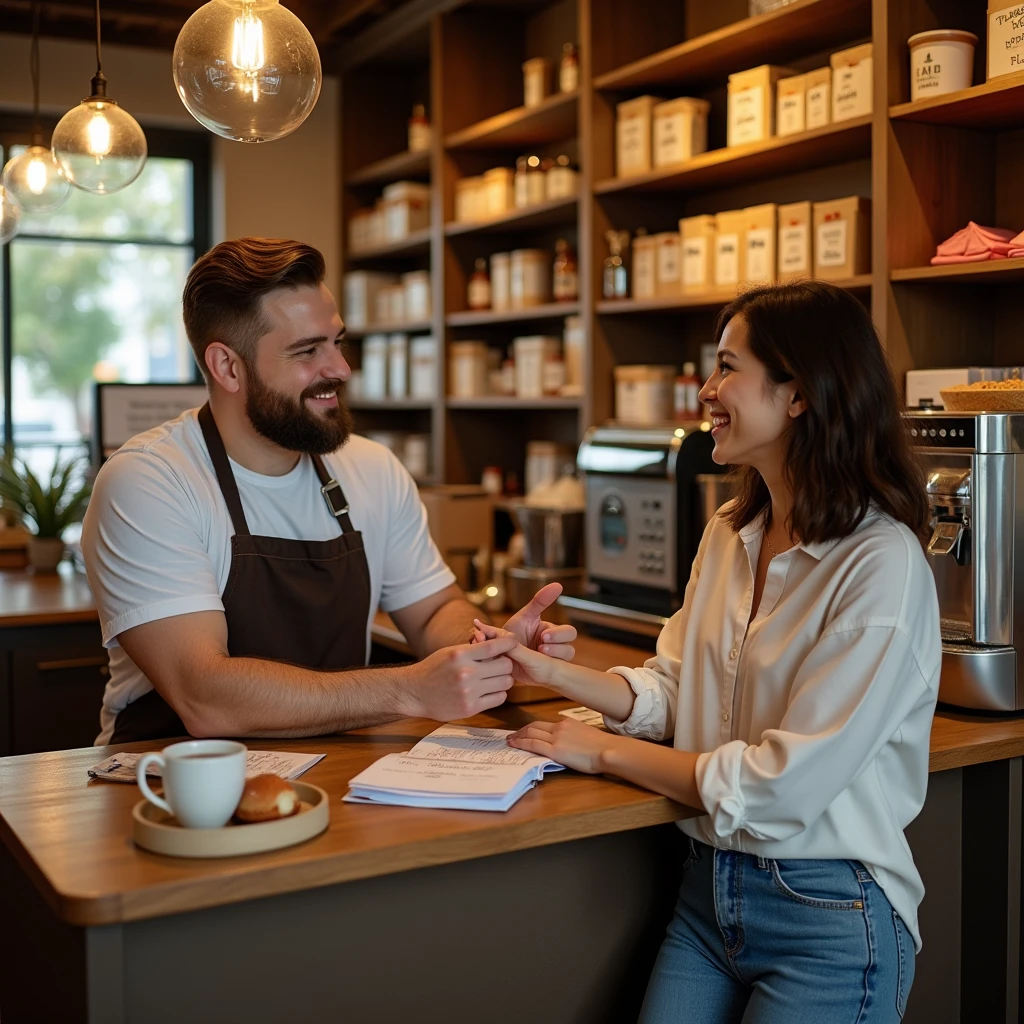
[(975, 243), (1016, 247)]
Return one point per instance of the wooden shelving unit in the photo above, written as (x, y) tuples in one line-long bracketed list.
[(522, 127), (831, 144), (405, 327), (483, 317), (412, 245), (928, 167), (385, 404)]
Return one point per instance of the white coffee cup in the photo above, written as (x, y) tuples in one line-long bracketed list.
[(203, 780)]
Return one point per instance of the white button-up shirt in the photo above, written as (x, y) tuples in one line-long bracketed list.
[(813, 722)]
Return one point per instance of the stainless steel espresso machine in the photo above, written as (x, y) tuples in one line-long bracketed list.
[(647, 489), (974, 468)]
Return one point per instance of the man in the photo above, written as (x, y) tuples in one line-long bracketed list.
[(238, 553)]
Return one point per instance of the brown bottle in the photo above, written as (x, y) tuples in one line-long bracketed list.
[(564, 285), (478, 291)]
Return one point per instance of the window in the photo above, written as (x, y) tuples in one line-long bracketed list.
[(92, 291)]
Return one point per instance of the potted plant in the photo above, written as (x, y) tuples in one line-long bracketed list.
[(49, 508)]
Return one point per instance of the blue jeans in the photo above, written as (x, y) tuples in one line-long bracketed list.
[(763, 941)]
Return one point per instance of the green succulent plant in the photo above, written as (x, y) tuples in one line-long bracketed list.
[(49, 507)]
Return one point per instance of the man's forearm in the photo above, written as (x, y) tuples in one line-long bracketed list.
[(254, 697), (451, 624)]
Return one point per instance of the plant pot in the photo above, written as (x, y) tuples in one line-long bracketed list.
[(45, 553)]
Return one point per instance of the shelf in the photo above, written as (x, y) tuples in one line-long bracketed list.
[(480, 317), (830, 144), (414, 244), (554, 118), (544, 215), (408, 327), (506, 402), (801, 28), (993, 106), (389, 404), (989, 272), (399, 167), (710, 300)]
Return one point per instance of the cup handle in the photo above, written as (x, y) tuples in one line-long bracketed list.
[(140, 776)]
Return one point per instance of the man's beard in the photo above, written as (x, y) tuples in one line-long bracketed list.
[(288, 423)]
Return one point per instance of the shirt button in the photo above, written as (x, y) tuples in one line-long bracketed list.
[(725, 716), (732, 654)]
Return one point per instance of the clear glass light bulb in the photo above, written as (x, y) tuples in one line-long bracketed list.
[(99, 146), (247, 69), (10, 216), (35, 181)]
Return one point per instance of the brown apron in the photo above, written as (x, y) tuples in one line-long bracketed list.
[(305, 602)]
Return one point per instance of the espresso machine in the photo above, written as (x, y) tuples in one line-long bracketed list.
[(974, 469), (647, 490)]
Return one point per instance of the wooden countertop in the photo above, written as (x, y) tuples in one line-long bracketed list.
[(72, 835), (45, 599)]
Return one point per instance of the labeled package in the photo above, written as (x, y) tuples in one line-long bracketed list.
[(470, 200), (794, 241), (791, 105), (680, 130), (1005, 37), (468, 369), (390, 307), (501, 296), (536, 80), (818, 93), (851, 82), (529, 278), (361, 288), (751, 103), (842, 238), (531, 354), (375, 367), (417, 295), (645, 268), (423, 367), (698, 253), (644, 394), (729, 244), (498, 192), (398, 365), (941, 61), (633, 135), (759, 244), (406, 209), (668, 276)]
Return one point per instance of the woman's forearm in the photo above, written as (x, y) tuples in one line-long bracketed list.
[(602, 691), (673, 773)]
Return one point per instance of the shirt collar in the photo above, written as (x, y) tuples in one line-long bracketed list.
[(754, 530)]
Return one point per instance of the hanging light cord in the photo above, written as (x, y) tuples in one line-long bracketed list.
[(99, 55), (34, 70), (99, 80)]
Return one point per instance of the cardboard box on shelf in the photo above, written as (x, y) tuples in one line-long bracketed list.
[(698, 253), (633, 135), (842, 238), (794, 241), (751, 103), (361, 288), (645, 267), (729, 244), (668, 277), (791, 105), (406, 209), (851, 82), (1005, 37), (818, 92), (680, 130), (759, 244)]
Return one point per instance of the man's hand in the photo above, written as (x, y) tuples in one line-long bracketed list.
[(534, 632), (528, 666), (458, 682)]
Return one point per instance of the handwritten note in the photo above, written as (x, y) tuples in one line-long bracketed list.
[(121, 767)]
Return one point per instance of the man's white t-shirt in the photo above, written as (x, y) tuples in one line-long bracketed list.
[(157, 534)]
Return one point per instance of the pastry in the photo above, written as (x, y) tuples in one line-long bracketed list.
[(265, 798), (985, 395)]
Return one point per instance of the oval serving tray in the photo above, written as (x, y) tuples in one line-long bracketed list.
[(156, 830)]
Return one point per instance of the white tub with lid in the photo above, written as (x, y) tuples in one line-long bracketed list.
[(941, 61)]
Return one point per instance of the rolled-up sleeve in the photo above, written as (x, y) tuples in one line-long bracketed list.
[(853, 689)]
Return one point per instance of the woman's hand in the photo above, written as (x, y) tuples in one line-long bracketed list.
[(530, 666), (570, 743)]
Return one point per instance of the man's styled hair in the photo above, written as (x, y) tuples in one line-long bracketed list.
[(222, 300)]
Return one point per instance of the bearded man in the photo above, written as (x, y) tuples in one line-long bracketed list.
[(238, 553)]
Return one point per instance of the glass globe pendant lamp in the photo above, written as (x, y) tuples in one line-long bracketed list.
[(10, 216), (248, 70), (98, 145), (33, 178)]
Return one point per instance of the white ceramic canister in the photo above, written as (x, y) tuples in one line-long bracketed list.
[(941, 61)]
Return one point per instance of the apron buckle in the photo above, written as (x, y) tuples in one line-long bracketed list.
[(330, 491)]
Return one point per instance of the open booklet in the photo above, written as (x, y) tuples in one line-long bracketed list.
[(456, 766), (121, 767)]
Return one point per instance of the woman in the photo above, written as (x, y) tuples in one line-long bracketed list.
[(799, 681)]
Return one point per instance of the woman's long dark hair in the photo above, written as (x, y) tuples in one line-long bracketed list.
[(850, 447)]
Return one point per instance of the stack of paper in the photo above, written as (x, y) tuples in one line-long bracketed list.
[(121, 767), (456, 766)]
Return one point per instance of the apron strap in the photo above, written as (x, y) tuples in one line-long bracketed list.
[(337, 503), (222, 468)]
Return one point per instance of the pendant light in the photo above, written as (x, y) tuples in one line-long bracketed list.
[(10, 216), (98, 145), (247, 69), (33, 178)]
